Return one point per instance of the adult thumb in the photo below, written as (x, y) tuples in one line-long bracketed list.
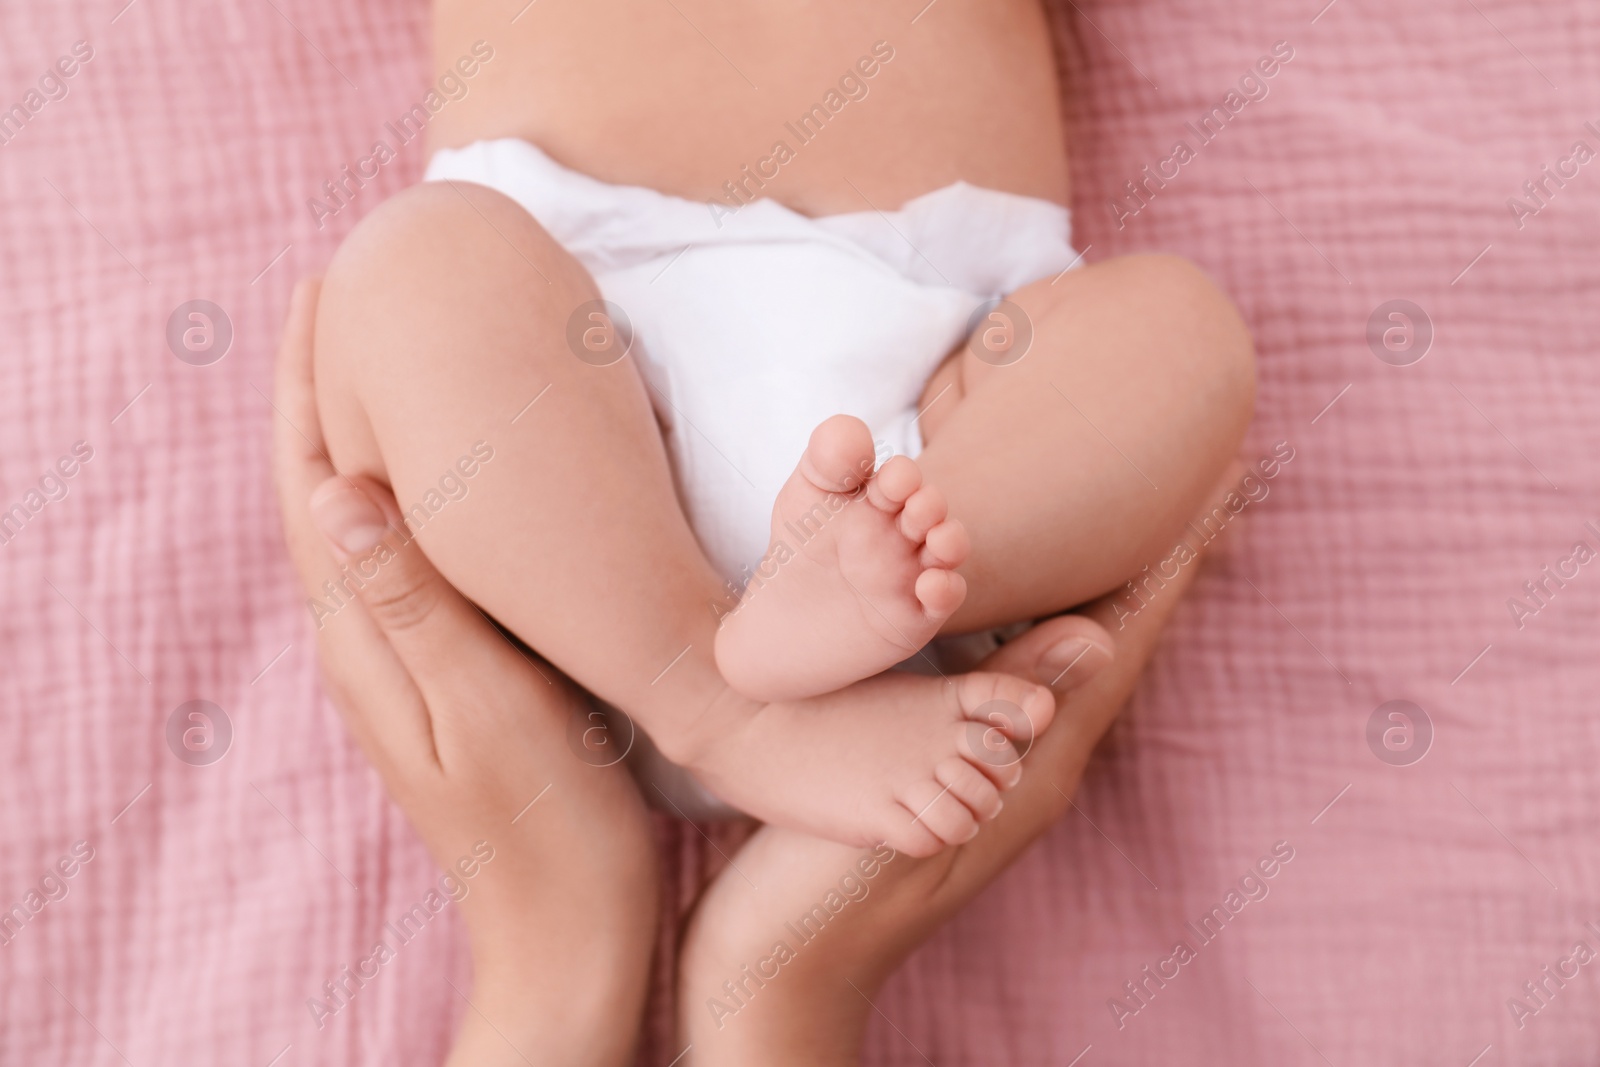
[(428, 623)]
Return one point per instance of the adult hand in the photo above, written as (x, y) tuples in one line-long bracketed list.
[(553, 858), (813, 1010)]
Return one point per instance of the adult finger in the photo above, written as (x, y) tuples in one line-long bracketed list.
[(1056, 762), (915, 896), (299, 456), (382, 707), (461, 664)]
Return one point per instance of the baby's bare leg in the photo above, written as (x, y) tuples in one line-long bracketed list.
[(442, 318), (815, 1009), (444, 322), (1072, 451), (1077, 465)]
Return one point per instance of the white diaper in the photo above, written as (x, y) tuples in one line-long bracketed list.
[(754, 325)]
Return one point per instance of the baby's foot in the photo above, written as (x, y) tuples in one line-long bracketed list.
[(859, 575), (909, 760)]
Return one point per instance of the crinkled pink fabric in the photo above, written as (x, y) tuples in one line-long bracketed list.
[(1377, 166)]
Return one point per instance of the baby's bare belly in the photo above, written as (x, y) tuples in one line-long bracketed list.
[(684, 95)]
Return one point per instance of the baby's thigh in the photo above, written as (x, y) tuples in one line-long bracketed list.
[(1080, 428), (1144, 334), (443, 306)]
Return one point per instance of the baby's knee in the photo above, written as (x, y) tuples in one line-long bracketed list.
[(451, 221), (442, 289), (1218, 338), (435, 239), (432, 252), (1203, 344)]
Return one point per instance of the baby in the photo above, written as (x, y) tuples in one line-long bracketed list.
[(770, 320)]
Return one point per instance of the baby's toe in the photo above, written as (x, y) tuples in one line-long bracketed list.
[(1021, 710), (909, 836), (933, 805), (947, 545), (987, 749), (940, 592), (894, 483), (970, 786), (925, 509), (839, 456)]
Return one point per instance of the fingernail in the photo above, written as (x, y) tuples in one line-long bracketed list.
[(347, 518), (1074, 654)]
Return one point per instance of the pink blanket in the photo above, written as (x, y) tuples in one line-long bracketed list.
[(187, 911)]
